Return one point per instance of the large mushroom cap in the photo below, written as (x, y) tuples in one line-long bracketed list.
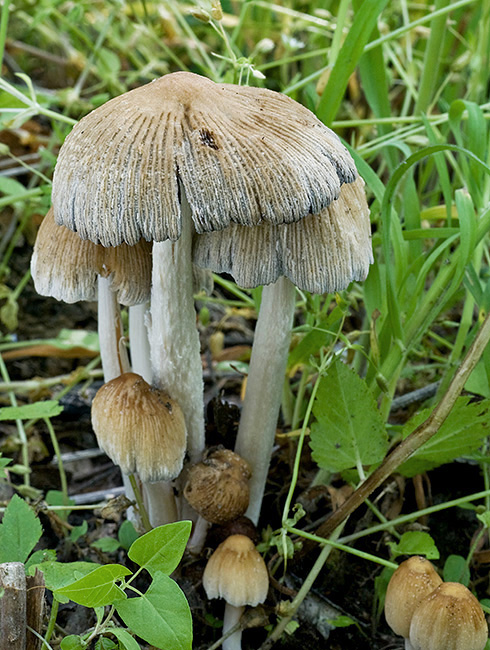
[(321, 253), (140, 428), (66, 267), (243, 155)]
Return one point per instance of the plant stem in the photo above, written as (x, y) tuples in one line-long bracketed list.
[(415, 440), (139, 501), (57, 451)]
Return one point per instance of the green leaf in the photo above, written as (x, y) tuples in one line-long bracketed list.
[(20, 531), (47, 409), (341, 621), (10, 186), (78, 531), (478, 380), (461, 433), (103, 643), (415, 542), (125, 639), (456, 570), (57, 498), (73, 642), (349, 429), (58, 575), (127, 534), (43, 555), (106, 544), (161, 549), (160, 617), (98, 588)]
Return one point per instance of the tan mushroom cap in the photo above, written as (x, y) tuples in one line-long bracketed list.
[(140, 428), (450, 618), (217, 487), (236, 572), (413, 581), (321, 253), (242, 155), (66, 267)]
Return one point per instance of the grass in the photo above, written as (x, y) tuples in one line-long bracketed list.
[(405, 84)]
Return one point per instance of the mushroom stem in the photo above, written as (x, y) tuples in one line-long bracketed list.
[(231, 618), (113, 354), (408, 645), (265, 381), (173, 335), (160, 502), (138, 341)]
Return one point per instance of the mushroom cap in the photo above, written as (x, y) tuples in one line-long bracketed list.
[(243, 155), (66, 267), (321, 253), (140, 428), (236, 572), (414, 579), (450, 618), (217, 487)]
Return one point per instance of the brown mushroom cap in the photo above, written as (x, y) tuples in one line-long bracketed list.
[(243, 155), (66, 267), (140, 428), (450, 618), (321, 253), (217, 487), (414, 579), (236, 572)]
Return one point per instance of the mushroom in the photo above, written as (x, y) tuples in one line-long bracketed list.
[(143, 431), (321, 253), (450, 618), (413, 581), (217, 487), (182, 155), (236, 572)]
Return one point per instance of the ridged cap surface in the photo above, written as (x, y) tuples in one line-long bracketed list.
[(243, 155), (140, 428), (66, 267), (236, 572), (321, 253), (217, 487), (450, 618)]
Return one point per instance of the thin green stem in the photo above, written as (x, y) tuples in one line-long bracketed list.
[(139, 502), (57, 451), (52, 620)]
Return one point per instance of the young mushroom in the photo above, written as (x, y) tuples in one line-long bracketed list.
[(413, 581), (143, 431), (450, 618), (236, 572), (321, 253), (183, 155)]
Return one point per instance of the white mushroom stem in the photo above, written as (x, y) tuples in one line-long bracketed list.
[(265, 381), (160, 502), (408, 645), (138, 341), (113, 353), (231, 618), (173, 335)]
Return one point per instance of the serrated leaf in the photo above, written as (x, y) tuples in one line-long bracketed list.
[(415, 542), (20, 531), (461, 433), (160, 617), (98, 588), (161, 549), (48, 409), (125, 639), (349, 429)]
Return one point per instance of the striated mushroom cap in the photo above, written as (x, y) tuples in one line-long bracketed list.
[(321, 253), (140, 428), (236, 572), (66, 267), (243, 155), (450, 618), (414, 579), (217, 487)]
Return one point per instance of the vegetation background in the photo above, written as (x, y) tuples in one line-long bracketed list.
[(406, 85)]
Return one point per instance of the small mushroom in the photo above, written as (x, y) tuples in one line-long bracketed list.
[(143, 431), (236, 572), (413, 581), (450, 618), (217, 487)]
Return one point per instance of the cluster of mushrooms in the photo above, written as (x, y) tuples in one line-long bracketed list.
[(431, 614), (179, 175)]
